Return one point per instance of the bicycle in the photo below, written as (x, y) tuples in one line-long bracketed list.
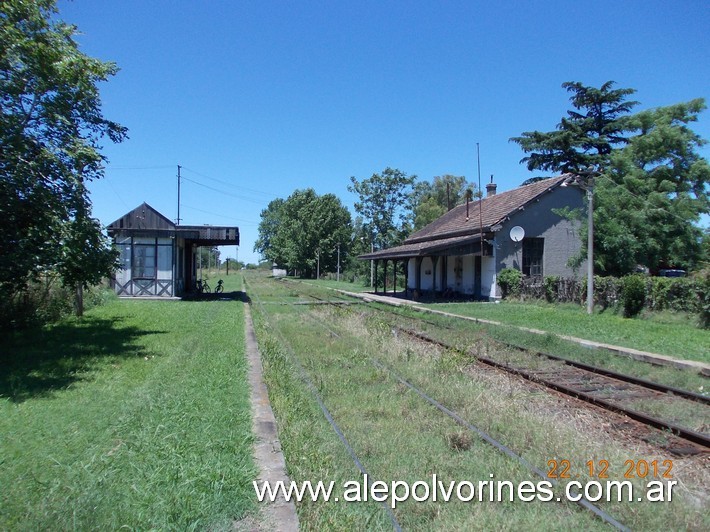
[(202, 286), (220, 287)]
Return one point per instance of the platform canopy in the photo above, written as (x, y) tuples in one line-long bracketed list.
[(144, 220)]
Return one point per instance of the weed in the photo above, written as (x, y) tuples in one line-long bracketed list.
[(459, 441)]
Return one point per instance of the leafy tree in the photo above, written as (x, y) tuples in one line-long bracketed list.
[(587, 136), (305, 229), (382, 201), (649, 200), (430, 200), (208, 258), (652, 183), (360, 244), (268, 227), (50, 128)]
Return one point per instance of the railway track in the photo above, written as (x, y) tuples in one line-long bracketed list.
[(606, 389), (396, 378)]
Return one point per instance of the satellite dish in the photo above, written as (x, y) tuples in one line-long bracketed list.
[(517, 233)]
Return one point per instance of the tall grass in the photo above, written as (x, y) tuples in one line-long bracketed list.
[(398, 436)]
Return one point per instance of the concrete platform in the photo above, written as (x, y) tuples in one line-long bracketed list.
[(278, 515)]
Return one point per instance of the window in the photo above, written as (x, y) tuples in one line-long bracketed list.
[(144, 261), (532, 256), (147, 258)]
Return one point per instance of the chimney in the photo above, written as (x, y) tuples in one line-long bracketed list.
[(491, 188)]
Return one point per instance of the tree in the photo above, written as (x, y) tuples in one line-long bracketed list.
[(382, 199), (652, 195), (585, 138), (268, 227), (50, 128), (430, 200), (304, 232), (208, 258), (652, 183)]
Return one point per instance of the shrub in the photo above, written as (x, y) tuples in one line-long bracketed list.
[(607, 291), (660, 289), (510, 281), (633, 295), (46, 300), (551, 282)]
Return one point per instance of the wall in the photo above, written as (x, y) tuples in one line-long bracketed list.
[(562, 238), (488, 278)]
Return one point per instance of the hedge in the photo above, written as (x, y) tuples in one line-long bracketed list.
[(682, 294)]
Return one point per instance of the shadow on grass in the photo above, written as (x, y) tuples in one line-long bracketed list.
[(224, 296), (39, 362)]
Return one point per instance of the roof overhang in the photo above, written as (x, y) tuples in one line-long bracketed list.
[(199, 235), (460, 245)]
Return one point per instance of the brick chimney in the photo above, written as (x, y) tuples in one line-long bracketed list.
[(491, 188)]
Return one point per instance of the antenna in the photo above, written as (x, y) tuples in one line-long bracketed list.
[(178, 176), (480, 200)]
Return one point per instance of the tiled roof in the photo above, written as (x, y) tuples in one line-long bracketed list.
[(453, 227), (494, 209)]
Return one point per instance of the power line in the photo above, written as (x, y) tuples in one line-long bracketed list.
[(221, 215), (224, 192), (270, 194), (138, 167)]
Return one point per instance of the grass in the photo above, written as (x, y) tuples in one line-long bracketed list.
[(663, 334), (472, 336), (398, 436), (135, 416), (339, 285)]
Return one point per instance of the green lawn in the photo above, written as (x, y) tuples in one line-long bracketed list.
[(135, 416), (673, 335)]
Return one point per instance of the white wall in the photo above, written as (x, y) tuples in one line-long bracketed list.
[(427, 282), (488, 277)]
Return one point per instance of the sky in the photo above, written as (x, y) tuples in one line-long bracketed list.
[(256, 99)]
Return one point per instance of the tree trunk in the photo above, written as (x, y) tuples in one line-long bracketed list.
[(79, 300)]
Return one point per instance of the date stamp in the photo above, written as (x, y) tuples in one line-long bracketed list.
[(601, 469)]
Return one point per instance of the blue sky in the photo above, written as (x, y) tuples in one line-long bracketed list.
[(257, 99)]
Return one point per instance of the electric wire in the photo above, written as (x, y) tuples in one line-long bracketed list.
[(224, 192), (226, 183), (249, 222)]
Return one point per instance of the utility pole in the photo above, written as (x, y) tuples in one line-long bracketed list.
[(590, 244), (480, 202), (318, 264), (585, 180), (338, 261), (178, 176)]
